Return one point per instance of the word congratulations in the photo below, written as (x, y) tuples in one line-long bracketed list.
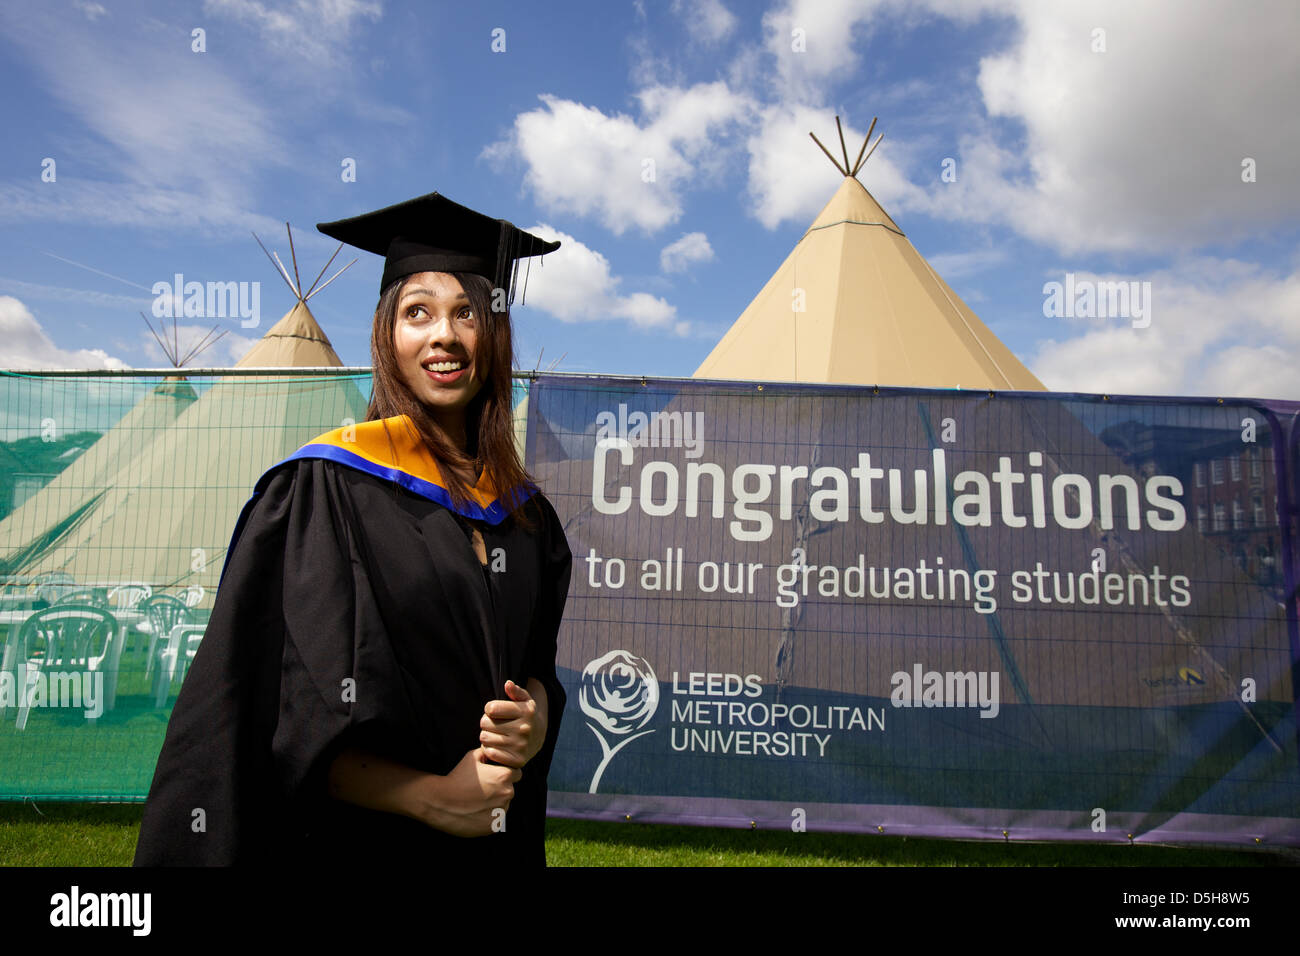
[(877, 494)]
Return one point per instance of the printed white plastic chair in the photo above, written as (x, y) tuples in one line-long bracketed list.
[(162, 613), (174, 660), (17, 592), (69, 637), (127, 595), (95, 597), (193, 595), (53, 586)]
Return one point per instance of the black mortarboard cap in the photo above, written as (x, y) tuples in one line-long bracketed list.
[(434, 234)]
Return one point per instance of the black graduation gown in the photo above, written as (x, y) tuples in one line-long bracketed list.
[(352, 611)]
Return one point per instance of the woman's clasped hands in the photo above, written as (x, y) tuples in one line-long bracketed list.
[(474, 797), (512, 731)]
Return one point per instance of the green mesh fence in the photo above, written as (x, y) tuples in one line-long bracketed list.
[(118, 497)]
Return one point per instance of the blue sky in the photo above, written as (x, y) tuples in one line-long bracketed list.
[(1117, 163)]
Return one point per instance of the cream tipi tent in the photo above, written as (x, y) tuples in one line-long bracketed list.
[(165, 515), (47, 515), (854, 303)]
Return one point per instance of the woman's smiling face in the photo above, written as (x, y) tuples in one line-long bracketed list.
[(434, 339)]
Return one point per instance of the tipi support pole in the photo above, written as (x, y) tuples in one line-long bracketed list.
[(843, 149), (312, 288), (293, 256), (866, 139), (335, 276), (871, 150), (833, 160), (275, 260)]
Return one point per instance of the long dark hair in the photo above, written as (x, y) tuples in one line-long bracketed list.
[(489, 422)]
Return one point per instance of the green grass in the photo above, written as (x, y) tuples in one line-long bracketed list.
[(68, 834), (580, 843), (64, 834), (114, 756)]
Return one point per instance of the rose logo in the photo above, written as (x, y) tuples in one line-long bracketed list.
[(619, 693)]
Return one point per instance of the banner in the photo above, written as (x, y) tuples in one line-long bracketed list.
[(945, 613)]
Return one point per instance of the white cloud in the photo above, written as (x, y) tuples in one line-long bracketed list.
[(811, 42), (790, 180), (707, 20), (625, 172), (575, 284), (1139, 147), (957, 265), (236, 347), (170, 118), (1218, 327), (315, 30), (643, 309), (91, 203), (24, 344), (1265, 371), (224, 352), (1144, 142), (84, 297), (93, 11), (171, 139), (692, 247)]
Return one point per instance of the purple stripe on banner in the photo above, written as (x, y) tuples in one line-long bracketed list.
[(939, 822)]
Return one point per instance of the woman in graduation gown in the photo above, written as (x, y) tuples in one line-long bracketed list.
[(377, 681)]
